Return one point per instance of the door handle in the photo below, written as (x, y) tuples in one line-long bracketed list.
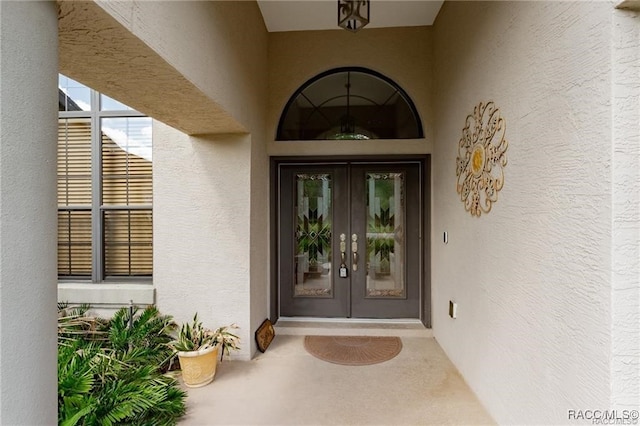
[(343, 256), (354, 250)]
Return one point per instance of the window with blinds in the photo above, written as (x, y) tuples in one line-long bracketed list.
[(126, 196), (74, 197), (105, 217)]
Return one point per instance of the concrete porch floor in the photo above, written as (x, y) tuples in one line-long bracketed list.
[(288, 386)]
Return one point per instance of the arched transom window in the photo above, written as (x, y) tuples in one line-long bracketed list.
[(349, 103)]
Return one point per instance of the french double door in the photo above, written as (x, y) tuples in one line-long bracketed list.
[(350, 239)]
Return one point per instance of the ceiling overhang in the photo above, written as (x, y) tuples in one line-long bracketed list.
[(306, 15)]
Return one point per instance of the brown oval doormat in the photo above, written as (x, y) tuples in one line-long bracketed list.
[(353, 350)]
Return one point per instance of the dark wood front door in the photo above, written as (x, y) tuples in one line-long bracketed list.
[(350, 239)]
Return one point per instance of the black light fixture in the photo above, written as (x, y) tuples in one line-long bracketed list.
[(347, 122), (353, 14)]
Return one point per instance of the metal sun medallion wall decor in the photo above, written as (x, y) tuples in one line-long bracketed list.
[(481, 159)]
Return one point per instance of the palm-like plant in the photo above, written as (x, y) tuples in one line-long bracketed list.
[(76, 380), (148, 330), (115, 376), (74, 323)]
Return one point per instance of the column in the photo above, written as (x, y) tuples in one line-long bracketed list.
[(28, 224)]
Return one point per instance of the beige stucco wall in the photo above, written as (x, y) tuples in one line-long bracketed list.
[(100, 40), (202, 228), (211, 241), (210, 191), (625, 303), (402, 54), (533, 278), (202, 40)]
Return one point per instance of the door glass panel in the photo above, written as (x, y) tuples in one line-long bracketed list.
[(385, 235), (312, 277)]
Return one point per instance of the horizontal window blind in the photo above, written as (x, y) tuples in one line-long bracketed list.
[(74, 162), (74, 243), (128, 242), (126, 174), (127, 182), (74, 197)]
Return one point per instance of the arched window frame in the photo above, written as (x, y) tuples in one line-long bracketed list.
[(402, 93)]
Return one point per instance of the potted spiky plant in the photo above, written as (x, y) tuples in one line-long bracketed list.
[(197, 348)]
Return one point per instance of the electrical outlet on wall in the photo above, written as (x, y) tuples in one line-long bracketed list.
[(453, 309)]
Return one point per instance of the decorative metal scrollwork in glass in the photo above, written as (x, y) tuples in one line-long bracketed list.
[(481, 159), (386, 246), (313, 209)]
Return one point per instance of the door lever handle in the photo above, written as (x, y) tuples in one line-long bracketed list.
[(354, 250), (343, 249), (343, 257)]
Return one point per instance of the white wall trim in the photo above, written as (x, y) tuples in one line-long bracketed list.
[(106, 294)]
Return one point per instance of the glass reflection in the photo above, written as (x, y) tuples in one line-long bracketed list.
[(110, 104), (385, 235), (312, 276), (73, 96)]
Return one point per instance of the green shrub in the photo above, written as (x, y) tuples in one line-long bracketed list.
[(110, 372)]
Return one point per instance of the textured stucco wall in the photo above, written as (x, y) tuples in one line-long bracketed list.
[(532, 278), (210, 209), (259, 227), (219, 46), (96, 44), (625, 303), (28, 223), (187, 64), (402, 54), (202, 76), (201, 228)]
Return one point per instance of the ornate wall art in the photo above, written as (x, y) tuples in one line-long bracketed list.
[(481, 159)]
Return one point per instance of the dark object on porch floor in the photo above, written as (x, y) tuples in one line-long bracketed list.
[(264, 335), (353, 350)]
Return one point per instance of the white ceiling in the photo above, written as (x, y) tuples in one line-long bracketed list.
[(300, 15)]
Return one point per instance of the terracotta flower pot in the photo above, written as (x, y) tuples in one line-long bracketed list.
[(198, 367)]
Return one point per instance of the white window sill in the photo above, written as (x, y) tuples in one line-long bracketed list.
[(106, 293)]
